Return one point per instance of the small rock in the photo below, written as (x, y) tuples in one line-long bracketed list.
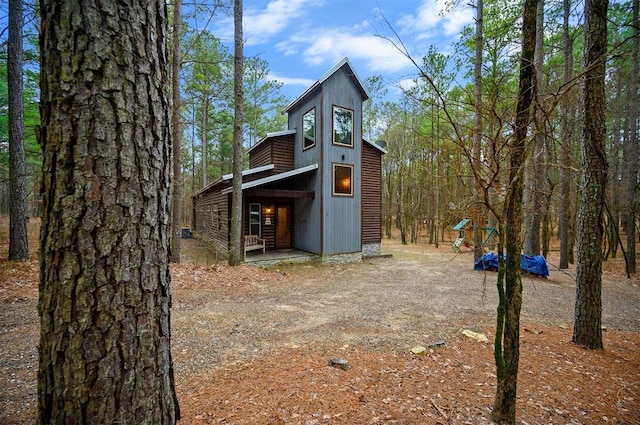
[(419, 350), (438, 344), (340, 363), (475, 335)]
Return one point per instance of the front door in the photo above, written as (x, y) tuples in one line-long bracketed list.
[(283, 227)]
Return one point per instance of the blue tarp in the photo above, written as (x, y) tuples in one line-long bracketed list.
[(535, 265)]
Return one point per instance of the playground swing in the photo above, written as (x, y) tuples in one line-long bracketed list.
[(460, 228)]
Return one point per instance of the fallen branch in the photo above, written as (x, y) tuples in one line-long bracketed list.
[(444, 415)]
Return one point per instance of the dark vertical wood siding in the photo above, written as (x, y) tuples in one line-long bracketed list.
[(371, 194)]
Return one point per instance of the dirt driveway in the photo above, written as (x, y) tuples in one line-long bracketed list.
[(251, 345), (419, 293)]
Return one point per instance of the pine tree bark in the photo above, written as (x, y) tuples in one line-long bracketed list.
[(235, 254), (205, 141), (478, 216), (104, 288), (507, 340), (535, 173), (587, 329), (632, 148), (18, 216), (176, 136), (564, 207)]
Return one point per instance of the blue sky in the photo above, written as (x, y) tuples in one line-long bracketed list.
[(302, 39)]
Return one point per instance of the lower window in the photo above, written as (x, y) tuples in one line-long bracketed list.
[(342, 180)]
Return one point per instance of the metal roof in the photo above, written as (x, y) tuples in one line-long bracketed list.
[(275, 177)]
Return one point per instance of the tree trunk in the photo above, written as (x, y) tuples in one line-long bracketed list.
[(205, 125), (478, 218), (104, 301), (615, 166), (587, 329), (176, 135), (18, 216), (564, 207), (535, 175), (235, 256), (507, 340), (632, 151)]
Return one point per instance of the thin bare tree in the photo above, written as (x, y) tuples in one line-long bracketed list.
[(507, 339)]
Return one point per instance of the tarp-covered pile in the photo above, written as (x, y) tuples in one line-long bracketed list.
[(535, 265)]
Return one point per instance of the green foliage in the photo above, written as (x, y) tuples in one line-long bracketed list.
[(372, 107), (208, 89), (263, 102), (33, 154)]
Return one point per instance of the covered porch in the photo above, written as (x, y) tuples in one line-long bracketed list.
[(269, 258)]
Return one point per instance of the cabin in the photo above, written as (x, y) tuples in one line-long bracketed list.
[(316, 187)]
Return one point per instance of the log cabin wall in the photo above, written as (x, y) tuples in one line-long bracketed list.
[(260, 155), (211, 218), (278, 151)]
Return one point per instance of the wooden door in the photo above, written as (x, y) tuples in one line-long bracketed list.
[(283, 227)]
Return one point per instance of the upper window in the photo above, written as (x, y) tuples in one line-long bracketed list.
[(254, 219), (342, 180), (342, 126), (309, 129)]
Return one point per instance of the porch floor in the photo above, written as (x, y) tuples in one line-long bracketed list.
[(257, 258)]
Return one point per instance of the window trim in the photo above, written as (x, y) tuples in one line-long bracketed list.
[(315, 130), (334, 167), (333, 128), (259, 214)]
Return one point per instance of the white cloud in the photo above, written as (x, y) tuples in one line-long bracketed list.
[(435, 17), (329, 45), (290, 81), (406, 84), (259, 25)]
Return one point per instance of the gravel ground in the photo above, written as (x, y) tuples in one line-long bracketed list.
[(224, 317)]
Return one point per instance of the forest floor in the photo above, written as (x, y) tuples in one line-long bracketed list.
[(253, 345)]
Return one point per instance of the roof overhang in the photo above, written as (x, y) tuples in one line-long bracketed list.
[(377, 146), (274, 178), (227, 177), (281, 193), (250, 171), (329, 73)]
